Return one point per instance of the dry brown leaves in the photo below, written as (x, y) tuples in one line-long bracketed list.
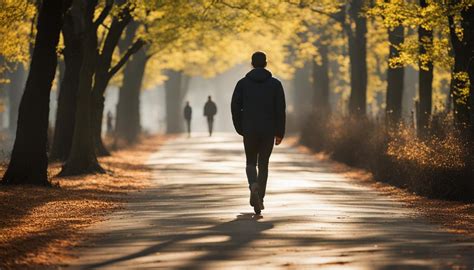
[(39, 225), (455, 217)]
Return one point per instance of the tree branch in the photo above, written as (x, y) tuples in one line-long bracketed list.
[(136, 46), (104, 13)]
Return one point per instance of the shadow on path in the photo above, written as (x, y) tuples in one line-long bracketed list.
[(236, 233), (313, 218)]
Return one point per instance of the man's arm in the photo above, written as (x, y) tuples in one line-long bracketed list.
[(280, 110), (236, 108)]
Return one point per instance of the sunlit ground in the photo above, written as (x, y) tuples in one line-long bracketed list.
[(197, 217)]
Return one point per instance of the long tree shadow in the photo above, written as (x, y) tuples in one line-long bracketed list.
[(238, 233)]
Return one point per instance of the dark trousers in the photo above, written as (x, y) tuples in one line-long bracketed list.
[(257, 151), (188, 125), (210, 124)]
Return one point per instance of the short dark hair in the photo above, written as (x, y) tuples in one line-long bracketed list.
[(259, 60)]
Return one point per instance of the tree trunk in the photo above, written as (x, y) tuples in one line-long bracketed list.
[(29, 161), (128, 108), (463, 97), (173, 88), (102, 76), (97, 116), (302, 92), (15, 91), (82, 158), (321, 81), (395, 78), (65, 116), (127, 124), (358, 59), (425, 79)]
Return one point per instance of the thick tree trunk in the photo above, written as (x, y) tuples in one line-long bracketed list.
[(395, 78), (66, 113), (82, 158), (425, 80), (15, 91), (321, 81), (128, 108), (29, 161), (358, 59), (173, 88), (463, 64)]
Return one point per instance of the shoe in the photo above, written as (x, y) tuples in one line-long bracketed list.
[(257, 211), (255, 198)]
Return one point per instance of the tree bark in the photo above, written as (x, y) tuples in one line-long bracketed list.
[(128, 108), (15, 91), (395, 78), (321, 81), (173, 89), (82, 158), (65, 116), (425, 79), (29, 161), (358, 59), (463, 63), (102, 75)]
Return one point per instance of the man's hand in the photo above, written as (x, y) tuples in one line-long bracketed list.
[(278, 140)]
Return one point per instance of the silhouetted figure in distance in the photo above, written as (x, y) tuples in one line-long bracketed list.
[(110, 127), (188, 112), (210, 110), (258, 113)]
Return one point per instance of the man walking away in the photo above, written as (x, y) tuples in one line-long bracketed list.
[(258, 113), (188, 112), (210, 109)]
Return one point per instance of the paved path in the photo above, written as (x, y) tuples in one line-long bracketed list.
[(197, 217)]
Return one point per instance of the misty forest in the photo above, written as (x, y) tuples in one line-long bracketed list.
[(112, 157)]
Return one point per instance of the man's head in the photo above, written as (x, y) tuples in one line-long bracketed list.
[(209, 98), (259, 60), (187, 103)]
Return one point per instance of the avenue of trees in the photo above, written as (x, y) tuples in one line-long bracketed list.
[(408, 114), (88, 43), (381, 84)]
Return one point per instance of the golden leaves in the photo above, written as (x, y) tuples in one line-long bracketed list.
[(15, 29)]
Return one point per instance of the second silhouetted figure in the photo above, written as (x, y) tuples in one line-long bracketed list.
[(210, 110), (188, 112)]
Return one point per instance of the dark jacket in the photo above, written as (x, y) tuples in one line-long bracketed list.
[(258, 105), (188, 112), (210, 109)]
